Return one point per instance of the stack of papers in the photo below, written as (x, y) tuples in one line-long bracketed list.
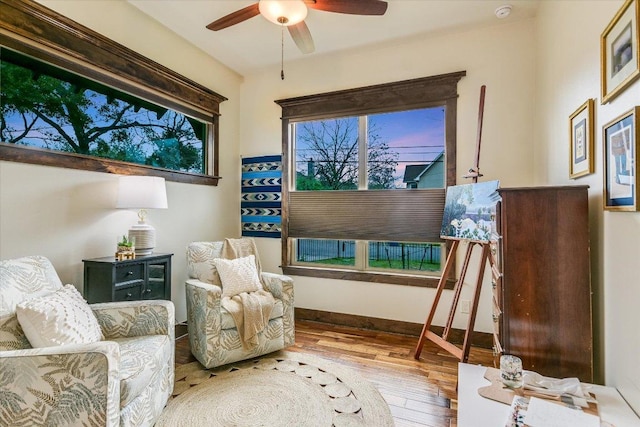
[(534, 412)]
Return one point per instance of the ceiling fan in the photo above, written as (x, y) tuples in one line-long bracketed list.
[(291, 13)]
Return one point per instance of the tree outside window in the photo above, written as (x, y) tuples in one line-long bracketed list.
[(45, 107)]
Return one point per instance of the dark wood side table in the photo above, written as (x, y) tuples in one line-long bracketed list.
[(146, 277)]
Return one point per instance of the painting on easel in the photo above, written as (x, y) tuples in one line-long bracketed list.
[(470, 212)]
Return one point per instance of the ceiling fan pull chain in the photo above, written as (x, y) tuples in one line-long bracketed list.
[(282, 52)]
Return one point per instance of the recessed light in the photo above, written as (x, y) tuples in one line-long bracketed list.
[(503, 11)]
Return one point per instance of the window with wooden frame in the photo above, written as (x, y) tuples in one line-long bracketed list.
[(73, 98), (365, 172)]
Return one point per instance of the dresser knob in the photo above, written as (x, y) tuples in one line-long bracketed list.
[(129, 273), (147, 291), (129, 295)]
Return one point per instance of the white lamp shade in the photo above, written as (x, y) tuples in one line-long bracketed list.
[(293, 11), (142, 192)]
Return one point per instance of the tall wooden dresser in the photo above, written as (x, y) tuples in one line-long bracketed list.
[(544, 295)]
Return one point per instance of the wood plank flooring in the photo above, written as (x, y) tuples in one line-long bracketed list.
[(419, 393)]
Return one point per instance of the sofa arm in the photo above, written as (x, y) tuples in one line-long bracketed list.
[(74, 384), (203, 307), (136, 318), (215, 290), (203, 319), (279, 285), (282, 288)]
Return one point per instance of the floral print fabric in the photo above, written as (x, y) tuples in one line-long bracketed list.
[(124, 380), (211, 343)]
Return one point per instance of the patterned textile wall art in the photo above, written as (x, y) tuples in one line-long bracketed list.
[(261, 201)]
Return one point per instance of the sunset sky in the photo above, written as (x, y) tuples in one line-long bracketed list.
[(417, 135)]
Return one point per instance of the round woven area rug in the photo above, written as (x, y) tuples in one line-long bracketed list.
[(282, 389)]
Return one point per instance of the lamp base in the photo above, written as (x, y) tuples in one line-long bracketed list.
[(145, 238)]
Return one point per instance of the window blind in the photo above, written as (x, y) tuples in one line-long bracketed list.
[(389, 215)]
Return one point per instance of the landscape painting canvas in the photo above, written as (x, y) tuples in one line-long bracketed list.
[(470, 211)]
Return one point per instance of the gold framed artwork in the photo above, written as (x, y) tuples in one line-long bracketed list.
[(619, 51), (581, 140), (620, 142)]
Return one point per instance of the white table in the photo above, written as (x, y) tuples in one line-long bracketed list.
[(477, 411)]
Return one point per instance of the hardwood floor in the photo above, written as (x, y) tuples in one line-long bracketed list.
[(419, 393)]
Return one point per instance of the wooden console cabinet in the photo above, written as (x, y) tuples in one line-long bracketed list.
[(545, 291), (146, 277)]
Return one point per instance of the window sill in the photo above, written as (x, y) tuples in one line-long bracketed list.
[(13, 153), (373, 277)]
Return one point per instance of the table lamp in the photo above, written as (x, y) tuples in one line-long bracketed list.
[(142, 192)]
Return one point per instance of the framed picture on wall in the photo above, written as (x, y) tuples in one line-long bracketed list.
[(620, 143), (581, 141), (619, 51)]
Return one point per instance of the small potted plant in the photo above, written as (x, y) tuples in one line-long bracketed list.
[(126, 247)]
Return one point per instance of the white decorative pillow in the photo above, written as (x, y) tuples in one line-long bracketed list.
[(58, 318), (238, 275)]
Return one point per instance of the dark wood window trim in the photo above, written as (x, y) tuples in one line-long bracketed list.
[(34, 30), (366, 276), (440, 90)]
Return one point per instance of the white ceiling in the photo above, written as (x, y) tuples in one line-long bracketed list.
[(256, 43)]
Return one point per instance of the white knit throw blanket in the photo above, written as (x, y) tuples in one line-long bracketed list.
[(250, 311)]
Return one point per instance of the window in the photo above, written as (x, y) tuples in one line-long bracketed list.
[(46, 107), (367, 169), (93, 104)]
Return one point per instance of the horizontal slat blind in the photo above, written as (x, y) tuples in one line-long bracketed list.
[(394, 215)]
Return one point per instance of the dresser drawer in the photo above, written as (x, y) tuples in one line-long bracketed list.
[(127, 273), (129, 293)]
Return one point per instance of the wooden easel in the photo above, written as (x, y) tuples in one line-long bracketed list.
[(461, 353), (487, 255)]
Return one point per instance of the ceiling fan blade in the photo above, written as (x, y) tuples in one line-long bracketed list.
[(353, 7), (235, 17), (302, 37)]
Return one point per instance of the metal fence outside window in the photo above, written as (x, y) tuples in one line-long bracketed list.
[(394, 255), (313, 250)]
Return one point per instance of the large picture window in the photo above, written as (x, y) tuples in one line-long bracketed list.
[(389, 151), (46, 107), (73, 98), (367, 171)]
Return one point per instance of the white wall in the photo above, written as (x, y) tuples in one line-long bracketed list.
[(568, 73), (501, 57), (69, 215)]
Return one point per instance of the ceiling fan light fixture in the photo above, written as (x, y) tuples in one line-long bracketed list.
[(283, 12)]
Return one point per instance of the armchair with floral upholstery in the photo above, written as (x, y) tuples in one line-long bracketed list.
[(213, 335), (123, 379)]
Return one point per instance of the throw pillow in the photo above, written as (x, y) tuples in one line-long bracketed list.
[(238, 275), (58, 318)]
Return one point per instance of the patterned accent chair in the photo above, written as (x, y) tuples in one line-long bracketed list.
[(124, 380), (213, 336)]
